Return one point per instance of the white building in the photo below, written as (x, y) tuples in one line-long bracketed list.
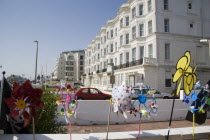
[(69, 66), (146, 39)]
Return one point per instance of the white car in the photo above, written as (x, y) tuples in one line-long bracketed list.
[(144, 91)]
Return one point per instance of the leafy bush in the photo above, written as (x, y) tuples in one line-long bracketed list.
[(46, 122)]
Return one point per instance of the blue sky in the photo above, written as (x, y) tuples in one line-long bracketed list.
[(58, 25)]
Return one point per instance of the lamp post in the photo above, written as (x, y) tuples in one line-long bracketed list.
[(36, 59), (206, 41)]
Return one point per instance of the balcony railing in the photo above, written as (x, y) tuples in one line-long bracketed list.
[(142, 61)]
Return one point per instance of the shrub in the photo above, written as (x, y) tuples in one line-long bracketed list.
[(46, 122)]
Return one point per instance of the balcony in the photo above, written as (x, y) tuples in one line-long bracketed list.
[(149, 61), (142, 61)]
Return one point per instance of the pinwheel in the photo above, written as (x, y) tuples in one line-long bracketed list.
[(121, 102), (144, 111), (184, 74), (121, 99), (24, 101), (67, 98), (198, 102)]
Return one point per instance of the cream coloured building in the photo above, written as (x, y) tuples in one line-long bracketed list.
[(144, 42), (69, 66)]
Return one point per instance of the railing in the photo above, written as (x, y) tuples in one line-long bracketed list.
[(142, 61), (129, 64), (150, 61)]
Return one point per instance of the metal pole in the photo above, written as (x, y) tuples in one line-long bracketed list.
[(36, 61), (1, 90), (209, 49)]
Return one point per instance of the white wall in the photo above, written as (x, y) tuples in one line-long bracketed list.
[(96, 112)]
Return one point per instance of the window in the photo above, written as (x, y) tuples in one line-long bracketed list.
[(104, 39), (141, 8), (104, 51), (127, 57), (189, 5), (141, 27), (115, 61), (168, 82), (81, 57), (191, 25), (98, 56), (111, 60), (98, 45), (116, 32), (70, 57), (141, 52), (121, 23), (133, 12), (111, 48), (121, 40), (150, 27), (112, 34), (150, 51), (85, 91), (107, 48), (133, 54), (134, 32), (69, 63), (81, 62), (127, 21), (115, 46), (167, 51), (127, 39), (107, 35), (121, 59), (165, 4), (69, 68), (149, 3), (81, 68), (93, 91), (166, 25), (101, 52)]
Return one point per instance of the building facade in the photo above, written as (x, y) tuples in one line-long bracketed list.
[(144, 42), (70, 66)]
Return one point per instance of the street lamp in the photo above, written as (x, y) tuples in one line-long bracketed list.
[(206, 41), (36, 59)]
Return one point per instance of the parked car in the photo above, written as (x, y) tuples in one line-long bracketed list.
[(91, 94), (144, 91)]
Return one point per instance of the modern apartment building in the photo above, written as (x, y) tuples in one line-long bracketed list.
[(144, 42), (70, 66)]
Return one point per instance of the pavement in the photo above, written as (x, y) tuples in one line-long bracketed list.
[(133, 127)]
